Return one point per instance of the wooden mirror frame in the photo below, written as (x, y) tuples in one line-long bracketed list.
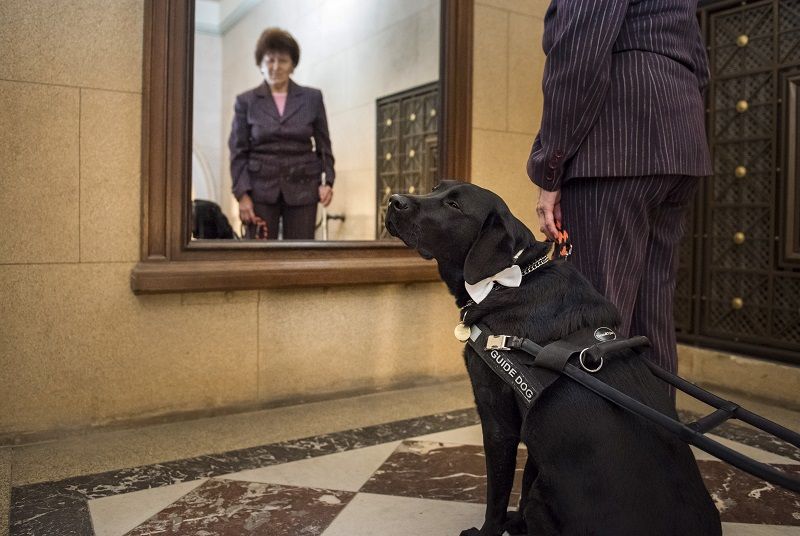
[(171, 262)]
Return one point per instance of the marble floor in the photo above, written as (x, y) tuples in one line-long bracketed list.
[(418, 475)]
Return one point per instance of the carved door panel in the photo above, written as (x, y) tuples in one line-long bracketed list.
[(407, 146), (739, 287)]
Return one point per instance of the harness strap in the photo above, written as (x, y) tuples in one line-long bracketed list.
[(495, 352), (555, 355)]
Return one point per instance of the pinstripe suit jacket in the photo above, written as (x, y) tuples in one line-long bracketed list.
[(272, 153), (623, 91)]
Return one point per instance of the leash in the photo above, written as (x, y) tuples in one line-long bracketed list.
[(259, 228), (538, 367), (562, 245), (323, 178)]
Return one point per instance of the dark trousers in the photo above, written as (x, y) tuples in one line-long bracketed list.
[(625, 232), (298, 222)]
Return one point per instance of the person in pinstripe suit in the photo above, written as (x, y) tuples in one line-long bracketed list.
[(621, 146)]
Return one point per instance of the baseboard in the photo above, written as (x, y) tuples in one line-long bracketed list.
[(41, 436), (776, 383)]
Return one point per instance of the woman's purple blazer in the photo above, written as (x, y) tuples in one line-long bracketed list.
[(274, 154)]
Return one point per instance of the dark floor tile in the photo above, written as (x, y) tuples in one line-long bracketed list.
[(742, 498), (48, 509), (443, 471), (233, 508)]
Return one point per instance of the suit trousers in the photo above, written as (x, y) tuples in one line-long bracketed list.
[(299, 222), (625, 233)]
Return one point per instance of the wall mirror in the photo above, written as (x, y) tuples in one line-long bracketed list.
[(376, 63), (395, 79)]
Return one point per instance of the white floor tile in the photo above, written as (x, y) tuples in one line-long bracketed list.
[(118, 514), (346, 471), (370, 515), (470, 435), (741, 529), (755, 453)]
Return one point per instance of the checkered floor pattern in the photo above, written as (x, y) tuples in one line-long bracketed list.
[(432, 484)]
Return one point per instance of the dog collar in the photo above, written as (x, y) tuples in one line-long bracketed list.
[(510, 277), (484, 287), (535, 265)]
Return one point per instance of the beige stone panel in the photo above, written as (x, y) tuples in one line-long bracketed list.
[(39, 173), (525, 67), (78, 349), (767, 380), (110, 175), (87, 43), (536, 8), (324, 340), (490, 69), (686, 356), (217, 298), (498, 163)]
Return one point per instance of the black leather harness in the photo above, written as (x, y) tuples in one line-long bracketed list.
[(530, 369)]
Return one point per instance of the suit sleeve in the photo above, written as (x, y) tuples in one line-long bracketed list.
[(575, 82), (239, 145), (323, 142)]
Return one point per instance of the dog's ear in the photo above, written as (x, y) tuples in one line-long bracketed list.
[(492, 251), (445, 184)]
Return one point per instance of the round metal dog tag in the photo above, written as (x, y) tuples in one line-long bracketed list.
[(462, 332)]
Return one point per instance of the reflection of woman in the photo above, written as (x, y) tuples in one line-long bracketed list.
[(280, 145)]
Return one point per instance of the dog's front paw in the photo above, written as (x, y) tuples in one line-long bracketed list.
[(515, 524), (483, 531)]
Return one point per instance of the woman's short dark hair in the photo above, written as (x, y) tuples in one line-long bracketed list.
[(277, 40)]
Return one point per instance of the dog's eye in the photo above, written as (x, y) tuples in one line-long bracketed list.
[(453, 204)]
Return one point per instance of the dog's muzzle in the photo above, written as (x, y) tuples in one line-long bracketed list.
[(398, 205)]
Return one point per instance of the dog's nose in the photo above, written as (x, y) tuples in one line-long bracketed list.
[(398, 202)]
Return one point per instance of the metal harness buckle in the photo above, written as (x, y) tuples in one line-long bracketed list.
[(497, 342)]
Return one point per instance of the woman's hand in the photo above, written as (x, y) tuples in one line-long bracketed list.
[(246, 212), (325, 195), (549, 210)]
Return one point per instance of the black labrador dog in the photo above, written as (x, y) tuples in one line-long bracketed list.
[(592, 468)]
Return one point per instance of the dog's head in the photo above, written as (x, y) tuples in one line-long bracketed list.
[(467, 229)]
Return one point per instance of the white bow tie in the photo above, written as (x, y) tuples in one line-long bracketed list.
[(510, 277)]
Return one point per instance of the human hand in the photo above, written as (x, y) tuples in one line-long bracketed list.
[(548, 209), (260, 232), (325, 195), (246, 212)]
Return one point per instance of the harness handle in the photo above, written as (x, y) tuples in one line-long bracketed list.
[(591, 358), (553, 359), (692, 436)]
